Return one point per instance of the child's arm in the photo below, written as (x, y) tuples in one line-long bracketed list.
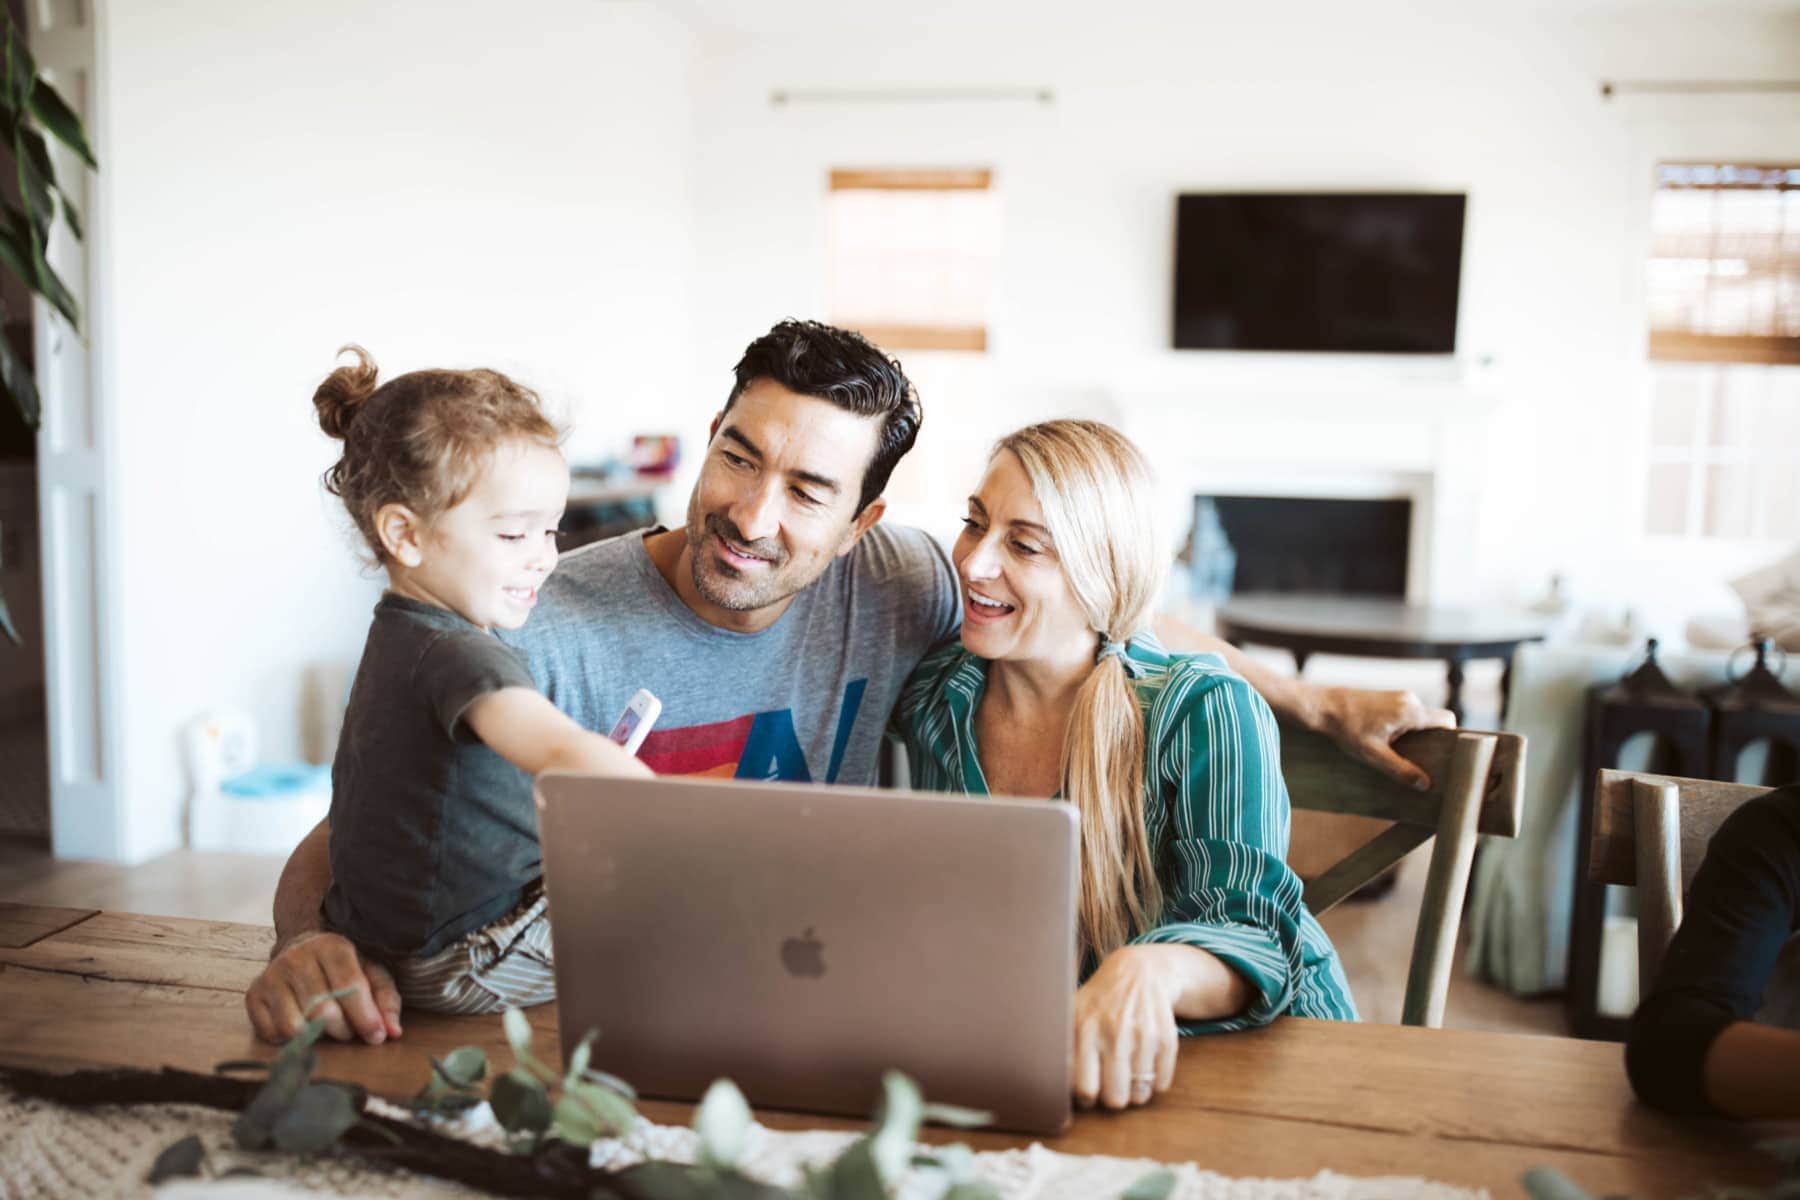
[(524, 728)]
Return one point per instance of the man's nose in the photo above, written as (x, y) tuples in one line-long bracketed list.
[(756, 514)]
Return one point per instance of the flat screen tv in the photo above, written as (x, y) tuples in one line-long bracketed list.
[(1359, 273)]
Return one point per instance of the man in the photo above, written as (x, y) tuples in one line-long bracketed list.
[(777, 627)]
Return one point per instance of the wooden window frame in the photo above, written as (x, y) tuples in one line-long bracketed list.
[(903, 179)]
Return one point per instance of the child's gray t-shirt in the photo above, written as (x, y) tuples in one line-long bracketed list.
[(433, 834), (806, 699)]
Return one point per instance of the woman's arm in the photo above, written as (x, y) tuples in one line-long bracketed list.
[(532, 734), (1363, 723)]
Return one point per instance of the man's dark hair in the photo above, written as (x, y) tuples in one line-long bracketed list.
[(845, 368)]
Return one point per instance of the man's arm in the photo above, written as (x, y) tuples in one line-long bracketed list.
[(1362, 723), (308, 962)]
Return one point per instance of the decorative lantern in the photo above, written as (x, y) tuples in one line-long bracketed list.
[(1752, 708)]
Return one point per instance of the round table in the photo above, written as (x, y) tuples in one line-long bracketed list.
[(1372, 627)]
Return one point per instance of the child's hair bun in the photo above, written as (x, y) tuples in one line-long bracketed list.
[(342, 394)]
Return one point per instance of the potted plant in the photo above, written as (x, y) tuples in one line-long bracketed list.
[(31, 111)]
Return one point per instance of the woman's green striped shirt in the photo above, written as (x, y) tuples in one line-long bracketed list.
[(1215, 807)]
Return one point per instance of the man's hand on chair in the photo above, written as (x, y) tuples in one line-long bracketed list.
[(1364, 724), (312, 964)]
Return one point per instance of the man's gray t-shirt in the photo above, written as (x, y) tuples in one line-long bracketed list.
[(806, 699)]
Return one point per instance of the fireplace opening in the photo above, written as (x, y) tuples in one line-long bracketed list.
[(1299, 544)]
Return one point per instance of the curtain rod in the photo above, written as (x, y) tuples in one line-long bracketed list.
[(1696, 87), (1031, 95)]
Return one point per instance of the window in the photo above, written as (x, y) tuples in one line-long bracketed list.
[(1724, 301), (913, 255)]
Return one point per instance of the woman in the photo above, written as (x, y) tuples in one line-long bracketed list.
[(1190, 921)]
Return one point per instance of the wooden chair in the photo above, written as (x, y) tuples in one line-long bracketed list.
[(1477, 786), (1650, 832)]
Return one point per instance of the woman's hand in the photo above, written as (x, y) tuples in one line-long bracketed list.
[(1125, 1035)]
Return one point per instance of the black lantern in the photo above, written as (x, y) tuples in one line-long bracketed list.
[(1755, 708)]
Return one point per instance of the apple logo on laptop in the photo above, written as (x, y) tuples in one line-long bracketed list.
[(804, 955)]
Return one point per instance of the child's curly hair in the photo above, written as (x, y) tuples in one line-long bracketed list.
[(421, 439)]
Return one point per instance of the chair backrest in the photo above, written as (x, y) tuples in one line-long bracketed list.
[(1650, 832), (1477, 787)]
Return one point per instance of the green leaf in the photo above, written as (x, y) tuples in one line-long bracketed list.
[(315, 1120), (57, 117), (520, 1103), (1547, 1183), (34, 180), (610, 1082), (6, 623), (300, 1045), (614, 1113), (177, 1161), (957, 1116), (897, 1125), (20, 382), (27, 251), (239, 1064), (518, 1032), (287, 1076), (723, 1124), (71, 214), (463, 1067), (670, 1181), (854, 1175), (958, 1162), (975, 1189), (21, 71), (1156, 1185), (584, 1051)]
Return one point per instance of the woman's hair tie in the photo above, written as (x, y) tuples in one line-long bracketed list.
[(1112, 649)]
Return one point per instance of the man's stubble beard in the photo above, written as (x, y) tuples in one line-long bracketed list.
[(714, 581)]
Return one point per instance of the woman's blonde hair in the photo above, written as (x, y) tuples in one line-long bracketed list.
[(1099, 501)]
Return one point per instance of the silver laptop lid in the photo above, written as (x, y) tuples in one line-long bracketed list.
[(801, 939)]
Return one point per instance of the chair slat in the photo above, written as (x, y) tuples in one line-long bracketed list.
[(1374, 859), (1323, 778), (1705, 803)]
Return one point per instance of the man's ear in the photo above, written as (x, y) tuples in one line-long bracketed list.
[(402, 534), (712, 431), (865, 521)]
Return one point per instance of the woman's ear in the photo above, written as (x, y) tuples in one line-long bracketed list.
[(402, 534)]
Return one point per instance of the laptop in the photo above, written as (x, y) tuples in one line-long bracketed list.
[(801, 940)]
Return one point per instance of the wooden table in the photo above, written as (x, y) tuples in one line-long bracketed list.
[(1372, 627), (118, 989)]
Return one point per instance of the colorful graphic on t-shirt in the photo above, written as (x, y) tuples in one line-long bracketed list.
[(754, 746)]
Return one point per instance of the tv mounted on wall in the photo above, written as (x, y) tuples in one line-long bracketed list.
[(1362, 272)]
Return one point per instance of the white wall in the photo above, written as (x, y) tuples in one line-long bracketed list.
[(447, 183), (1501, 101)]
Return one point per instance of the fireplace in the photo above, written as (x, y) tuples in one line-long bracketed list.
[(1308, 544)]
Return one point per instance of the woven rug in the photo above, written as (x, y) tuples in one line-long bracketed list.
[(50, 1151)]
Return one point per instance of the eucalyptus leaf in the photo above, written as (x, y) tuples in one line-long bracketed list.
[(957, 1116), (854, 1175), (611, 1082), (518, 1032), (582, 1054), (287, 1076), (897, 1126), (56, 116), (974, 1189), (520, 1103), (614, 1113), (1547, 1183), (1156, 1185), (463, 1067), (723, 1124), (315, 1120), (178, 1161), (300, 1045), (958, 1162), (669, 1181)]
